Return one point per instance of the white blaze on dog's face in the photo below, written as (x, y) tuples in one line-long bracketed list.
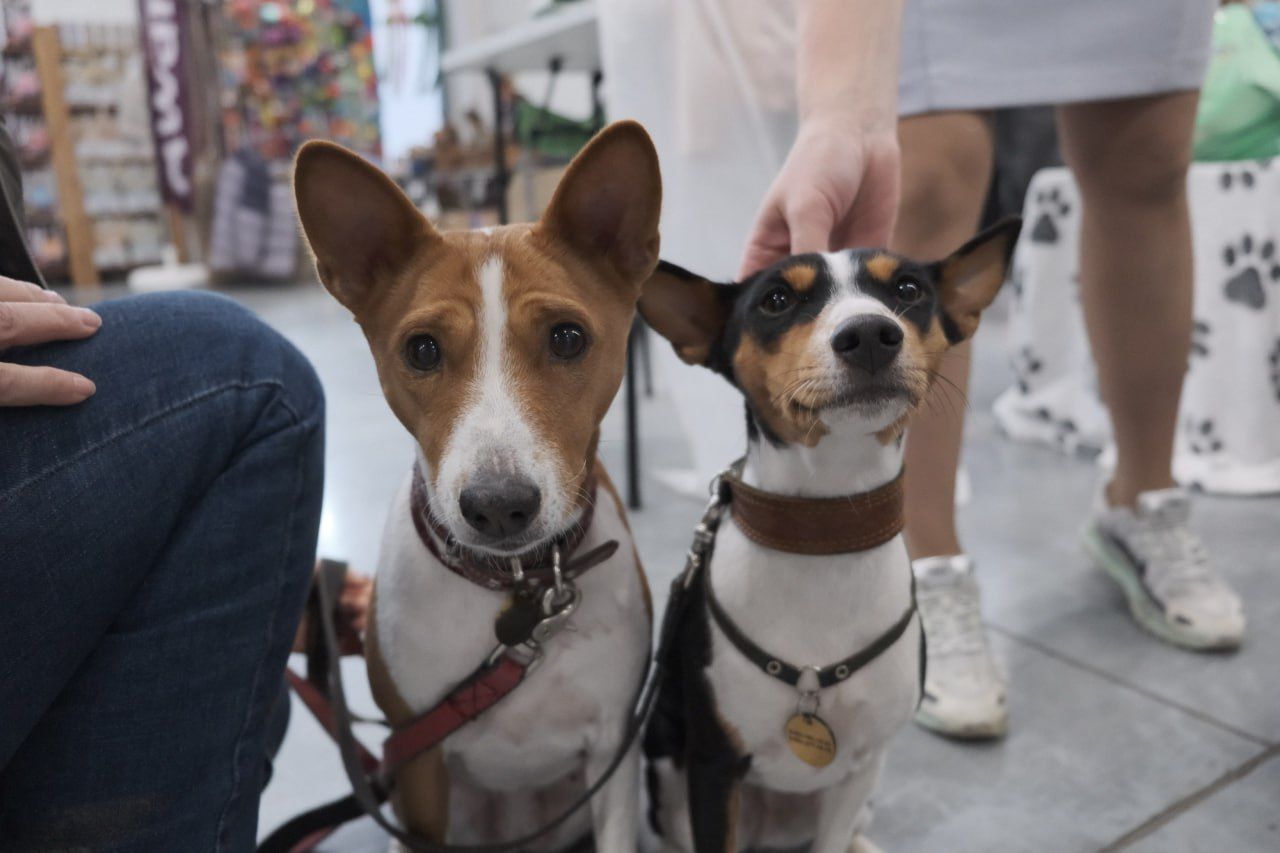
[(500, 351), (844, 342)]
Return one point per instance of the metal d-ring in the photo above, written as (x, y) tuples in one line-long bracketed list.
[(556, 573), (808, 685)]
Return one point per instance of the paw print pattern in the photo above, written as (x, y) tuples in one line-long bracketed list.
[(1052, 208), (1274, 357), (1246, 270), (1200, 339), (1026, 364), (1065, 429), (1202, 437), (1232, 178)]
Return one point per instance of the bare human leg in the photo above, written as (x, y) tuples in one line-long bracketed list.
[(1130, 158), (946, 169)]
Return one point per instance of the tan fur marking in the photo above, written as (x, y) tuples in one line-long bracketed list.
[(882, 267), (920, 359), (421, 795), (800, 277), (602, 477), (544, 285), (773, 379)]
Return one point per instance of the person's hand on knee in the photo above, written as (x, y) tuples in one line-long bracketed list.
[(30, 315)]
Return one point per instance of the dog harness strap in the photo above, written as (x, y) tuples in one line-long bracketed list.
[(476, 694), (788, 673), (800, 525), (492, 573)]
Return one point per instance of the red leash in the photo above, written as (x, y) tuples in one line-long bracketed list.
[(528, 623)]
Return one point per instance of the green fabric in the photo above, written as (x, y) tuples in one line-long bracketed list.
[(1239, 117), (549, 134)]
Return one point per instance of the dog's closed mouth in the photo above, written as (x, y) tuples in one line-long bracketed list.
[(866, 397)]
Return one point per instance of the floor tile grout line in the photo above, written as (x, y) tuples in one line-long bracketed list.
[(1142, 691), (1185, 804)]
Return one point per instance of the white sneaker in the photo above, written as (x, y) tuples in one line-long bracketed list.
[(1162, 567), (963, 690)]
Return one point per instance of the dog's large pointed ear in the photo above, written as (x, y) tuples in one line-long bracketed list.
[(359, 224), (686, 309), (609, 200), (970, 277)]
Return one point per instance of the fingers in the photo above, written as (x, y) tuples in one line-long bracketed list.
[(12, 290), (770, 241), (23, 323), (871, 220), (21, 385), (810, 220)]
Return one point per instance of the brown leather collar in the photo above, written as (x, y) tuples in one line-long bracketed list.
[(495, 572), (801, 525)]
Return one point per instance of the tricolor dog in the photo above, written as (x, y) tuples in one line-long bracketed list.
[(799, 652), (500, 352)]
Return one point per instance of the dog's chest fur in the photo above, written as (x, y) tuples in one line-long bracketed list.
[(433, 628), (810, 610)]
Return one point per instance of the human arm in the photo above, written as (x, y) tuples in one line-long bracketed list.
[(839, 184)]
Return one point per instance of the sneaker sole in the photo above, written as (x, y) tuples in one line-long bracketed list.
[(1144, 610), (990, 730)]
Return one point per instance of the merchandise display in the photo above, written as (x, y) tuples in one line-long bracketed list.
[(24, 119), (75, 106), (104, 90), (296, 70)]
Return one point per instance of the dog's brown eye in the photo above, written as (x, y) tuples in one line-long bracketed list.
[(909, 291), (568, 340), (776, 301), (422, 353)]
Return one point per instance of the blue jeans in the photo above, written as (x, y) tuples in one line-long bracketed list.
[(156, 545)]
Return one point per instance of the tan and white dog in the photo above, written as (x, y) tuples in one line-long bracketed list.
[(831, 352), (500, 351)]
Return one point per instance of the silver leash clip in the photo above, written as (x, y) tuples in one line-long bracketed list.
[(558, 606)]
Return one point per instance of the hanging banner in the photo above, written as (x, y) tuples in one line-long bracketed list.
[(165, 42)]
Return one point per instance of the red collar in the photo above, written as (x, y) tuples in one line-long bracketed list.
[(495, 572)]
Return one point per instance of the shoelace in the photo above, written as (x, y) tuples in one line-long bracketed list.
[(1177, 562), (953, 622)]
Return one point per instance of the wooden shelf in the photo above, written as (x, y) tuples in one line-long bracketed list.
[(57, 117)]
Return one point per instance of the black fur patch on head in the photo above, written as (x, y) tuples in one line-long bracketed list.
[(750, 315)]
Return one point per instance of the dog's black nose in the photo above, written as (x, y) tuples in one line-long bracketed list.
[(871, 343), (500, 506)]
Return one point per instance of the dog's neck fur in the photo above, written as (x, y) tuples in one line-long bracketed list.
[(842, 463)]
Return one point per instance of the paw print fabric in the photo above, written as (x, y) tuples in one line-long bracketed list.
[(1229, 427)]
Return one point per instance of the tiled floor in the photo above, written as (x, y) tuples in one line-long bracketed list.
[(1115, 739)]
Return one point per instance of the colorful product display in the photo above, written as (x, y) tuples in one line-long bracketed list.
[(296, 70)]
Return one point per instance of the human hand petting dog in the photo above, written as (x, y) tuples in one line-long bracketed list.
[(30, 315), (838, 188)]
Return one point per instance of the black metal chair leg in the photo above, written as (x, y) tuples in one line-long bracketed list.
[(632, 438)]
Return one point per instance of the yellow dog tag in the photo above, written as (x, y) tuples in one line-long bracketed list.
[(811, 739)]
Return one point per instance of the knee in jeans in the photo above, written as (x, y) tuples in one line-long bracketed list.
[(215, 336)]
